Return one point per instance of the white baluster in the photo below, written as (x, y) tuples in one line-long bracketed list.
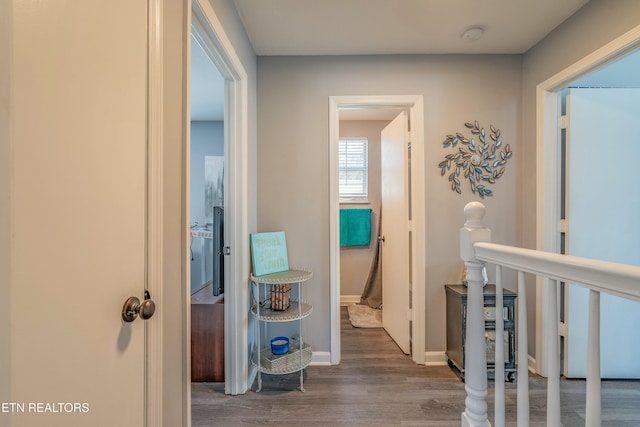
[(475, 413), (523, 354), (552, 340), (594, 407), (499, 353)]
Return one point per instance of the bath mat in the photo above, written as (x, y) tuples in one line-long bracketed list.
[(363, 316)]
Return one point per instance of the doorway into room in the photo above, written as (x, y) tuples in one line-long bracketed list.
[(582, 131), (359, 188), (207, 187), (348, 118), (224, 201)]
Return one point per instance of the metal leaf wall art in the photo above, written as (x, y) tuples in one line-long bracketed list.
[(480, 162)]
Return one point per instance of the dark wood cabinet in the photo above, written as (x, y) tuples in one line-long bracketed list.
[(207, 337), (456, 328)]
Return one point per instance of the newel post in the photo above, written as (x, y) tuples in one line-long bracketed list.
[(475, 369)]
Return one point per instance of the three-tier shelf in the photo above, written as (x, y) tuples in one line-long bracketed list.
[(299, 354)]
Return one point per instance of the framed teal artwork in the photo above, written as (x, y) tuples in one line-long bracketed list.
[(269, 253)]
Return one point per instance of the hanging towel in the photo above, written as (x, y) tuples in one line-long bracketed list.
[(355, 227)]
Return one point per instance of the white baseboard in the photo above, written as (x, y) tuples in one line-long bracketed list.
[(349, 299), (435, 358), (533, 364), (432, 358), (321, 358)]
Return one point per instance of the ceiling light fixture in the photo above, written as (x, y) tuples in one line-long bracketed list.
[(473, 33)]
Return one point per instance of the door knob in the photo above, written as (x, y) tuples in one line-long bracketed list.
[(381, 239), (133, 307)]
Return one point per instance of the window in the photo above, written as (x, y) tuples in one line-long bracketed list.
[(353, 169)]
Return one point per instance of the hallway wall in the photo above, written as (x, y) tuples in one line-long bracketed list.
[(293, 163)]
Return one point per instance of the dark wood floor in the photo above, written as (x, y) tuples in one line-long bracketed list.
[(376, 385)]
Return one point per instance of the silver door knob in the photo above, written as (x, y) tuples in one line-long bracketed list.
[(133, 307), (380, 238)]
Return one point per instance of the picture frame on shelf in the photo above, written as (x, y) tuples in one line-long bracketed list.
[(269, 253)]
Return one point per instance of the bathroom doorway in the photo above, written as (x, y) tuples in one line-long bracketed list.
[(339, 108), (368, 170)]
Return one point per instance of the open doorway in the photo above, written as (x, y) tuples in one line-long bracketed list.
[(368, 106), (605, 227), (601, 107), (571, 202), (207, 31), (374, 164), (206, 207), (360, 129)]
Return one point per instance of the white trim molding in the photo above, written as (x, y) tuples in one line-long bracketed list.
[(321, 358), (415, 105), (209, 33), (435, 358), (154, 253), (349, 300)]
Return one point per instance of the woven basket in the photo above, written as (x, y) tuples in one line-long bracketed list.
[(280, 296), (285, 361)]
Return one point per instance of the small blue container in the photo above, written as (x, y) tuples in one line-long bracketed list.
[(280, 345)]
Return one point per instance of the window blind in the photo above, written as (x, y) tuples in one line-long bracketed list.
[(353, 168)]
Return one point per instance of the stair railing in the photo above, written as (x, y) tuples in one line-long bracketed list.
[(476, 249)]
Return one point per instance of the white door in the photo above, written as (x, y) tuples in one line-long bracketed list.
[(603, 142), (395, 231), (78, 212)]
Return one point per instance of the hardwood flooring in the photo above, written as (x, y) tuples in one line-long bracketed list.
[(377, 385)]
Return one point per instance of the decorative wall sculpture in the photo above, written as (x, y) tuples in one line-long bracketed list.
[(480, 162)]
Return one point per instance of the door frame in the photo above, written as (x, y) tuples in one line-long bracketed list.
[(208, 30), (154, 274), (415, 105), (548, 110)]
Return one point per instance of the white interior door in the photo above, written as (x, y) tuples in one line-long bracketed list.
[(78, 212), (603, 142), (395, 231)]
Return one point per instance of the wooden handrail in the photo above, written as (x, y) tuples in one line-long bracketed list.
[(602, 276)]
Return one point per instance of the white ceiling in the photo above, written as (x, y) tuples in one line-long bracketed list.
[(355, 27)]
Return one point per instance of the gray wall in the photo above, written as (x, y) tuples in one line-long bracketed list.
[(293, 163), (593, 26), (355, 261)]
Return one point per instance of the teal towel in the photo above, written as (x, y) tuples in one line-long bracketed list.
[(355, 227)]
